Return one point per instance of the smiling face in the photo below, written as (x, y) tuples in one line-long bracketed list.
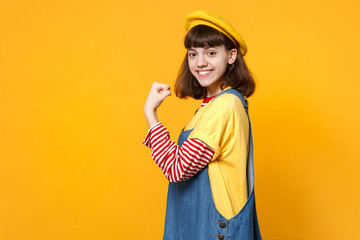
[(208, 66)]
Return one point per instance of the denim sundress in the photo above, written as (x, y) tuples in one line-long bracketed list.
[(191, 213)]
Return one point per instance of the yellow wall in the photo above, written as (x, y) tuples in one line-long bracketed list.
[(74, 76)]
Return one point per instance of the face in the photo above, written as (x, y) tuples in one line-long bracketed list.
[(208, 65)]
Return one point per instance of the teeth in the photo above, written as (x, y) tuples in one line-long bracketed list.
[(204, 72)]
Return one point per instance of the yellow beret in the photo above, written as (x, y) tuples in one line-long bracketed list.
[(217, 22)]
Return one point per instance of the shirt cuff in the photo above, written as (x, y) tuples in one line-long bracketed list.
[(146, 142)]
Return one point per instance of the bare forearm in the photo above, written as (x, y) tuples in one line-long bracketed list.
[(151, 116)]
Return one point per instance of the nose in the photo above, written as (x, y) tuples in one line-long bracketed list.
[(201, 62)]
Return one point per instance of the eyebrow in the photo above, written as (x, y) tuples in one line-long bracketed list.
[(201, 47)]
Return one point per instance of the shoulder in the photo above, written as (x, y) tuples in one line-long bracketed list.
[(227, 97), (225, 102)]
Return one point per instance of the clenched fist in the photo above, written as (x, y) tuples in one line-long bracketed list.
[(157, 94)]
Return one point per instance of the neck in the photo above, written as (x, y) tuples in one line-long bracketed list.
[(213, 90)]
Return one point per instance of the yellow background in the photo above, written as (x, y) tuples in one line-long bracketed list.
[(74, 76)]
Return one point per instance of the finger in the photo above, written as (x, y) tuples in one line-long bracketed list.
[(165, 93), (161, 86), (160, 90), (167, 87)]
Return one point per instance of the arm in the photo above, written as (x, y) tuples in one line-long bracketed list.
[(177, 163)]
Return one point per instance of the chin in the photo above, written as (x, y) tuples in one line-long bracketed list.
[(204, 85)]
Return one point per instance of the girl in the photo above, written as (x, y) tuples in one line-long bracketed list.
[(211, 189)]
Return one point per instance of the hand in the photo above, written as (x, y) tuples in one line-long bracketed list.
[(157, 94)]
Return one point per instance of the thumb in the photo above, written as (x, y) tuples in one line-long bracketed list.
[(162, 87), (164, 93)]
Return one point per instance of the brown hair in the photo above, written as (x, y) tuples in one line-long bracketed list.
[(237, 75)]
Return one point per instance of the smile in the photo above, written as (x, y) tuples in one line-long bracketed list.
[(204, 73)]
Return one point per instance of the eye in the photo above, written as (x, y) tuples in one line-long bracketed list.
[(191, 54), (212, 53)]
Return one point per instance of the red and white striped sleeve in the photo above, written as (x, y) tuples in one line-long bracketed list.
[(177, 163)]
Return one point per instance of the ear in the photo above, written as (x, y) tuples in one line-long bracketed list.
[(232, 55)]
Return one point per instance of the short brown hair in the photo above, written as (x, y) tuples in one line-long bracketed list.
[(237, 75)]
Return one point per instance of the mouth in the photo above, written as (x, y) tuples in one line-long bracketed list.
[(203, 73)]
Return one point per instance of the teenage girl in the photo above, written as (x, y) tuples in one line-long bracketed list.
[(210, 169)]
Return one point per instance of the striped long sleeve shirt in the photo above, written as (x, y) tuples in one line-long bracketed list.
[(178, 163)]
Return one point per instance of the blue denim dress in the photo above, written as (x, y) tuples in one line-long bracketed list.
[(191, 213)]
